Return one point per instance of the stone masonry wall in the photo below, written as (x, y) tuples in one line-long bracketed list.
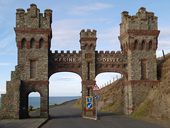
[(33, 36), (139, 40), (134, 65)]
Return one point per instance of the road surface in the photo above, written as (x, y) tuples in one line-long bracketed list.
[(66, 116)]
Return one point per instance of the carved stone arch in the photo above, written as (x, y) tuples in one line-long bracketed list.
[(23, 43), (41, 43), (72, 71), (136, 43), (34, 90), (32, 43), (84, 46), (150, 45), (143, 45)]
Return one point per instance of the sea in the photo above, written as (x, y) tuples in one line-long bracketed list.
[(35, 101)]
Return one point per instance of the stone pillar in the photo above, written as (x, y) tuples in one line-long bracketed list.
[(44, 105), (88, 45)]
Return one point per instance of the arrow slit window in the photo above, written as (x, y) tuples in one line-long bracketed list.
[(88, 71), (143, 70), (33, 68)]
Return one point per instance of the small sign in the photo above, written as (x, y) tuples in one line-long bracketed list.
[(96, 88), (89, 103), (96, 96)]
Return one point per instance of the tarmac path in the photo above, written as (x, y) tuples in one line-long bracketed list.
[(66, 116)]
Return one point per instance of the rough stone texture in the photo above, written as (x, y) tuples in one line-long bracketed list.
[(139, 40), (156, 106), (111, 62), (36, 63), (88, 45), (160, 96), (33, 35), (65, 61)]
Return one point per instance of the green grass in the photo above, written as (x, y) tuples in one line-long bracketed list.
[(143, 110)]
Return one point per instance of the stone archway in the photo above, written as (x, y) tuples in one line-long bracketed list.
[(36, 62), (70, 79), (34, 103)]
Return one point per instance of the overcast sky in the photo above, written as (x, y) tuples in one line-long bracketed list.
[(69, 17)]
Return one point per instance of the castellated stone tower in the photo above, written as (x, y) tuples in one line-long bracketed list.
[(33, 38), (139, 40), (88, 46)]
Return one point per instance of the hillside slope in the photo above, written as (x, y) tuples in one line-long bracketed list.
[(109, 96), (157, 104)]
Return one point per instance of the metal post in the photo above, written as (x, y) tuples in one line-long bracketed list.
[(96, 108)]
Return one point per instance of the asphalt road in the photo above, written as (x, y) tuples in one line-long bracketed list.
[(66, 116)]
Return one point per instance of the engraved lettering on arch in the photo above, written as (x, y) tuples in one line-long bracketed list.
[(66, 59), (109, 59)]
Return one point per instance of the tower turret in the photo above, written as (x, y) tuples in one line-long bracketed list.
[(33, 37), (88, 45), (88, 39), (139, 39)]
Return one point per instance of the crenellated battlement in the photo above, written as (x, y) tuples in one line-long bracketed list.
[(67, 52), (143, 20), (33, 18), (109, 52), (88, 33), (67, 57), (141, 29), (88, 39), (111, 57)]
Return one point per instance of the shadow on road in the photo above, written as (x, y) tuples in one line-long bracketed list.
[(104, 114), (100, 115), (65, 116)]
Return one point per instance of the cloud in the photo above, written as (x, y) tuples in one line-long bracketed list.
[(65, 88), (84, 9), (108, 39), (66, 79), (107, 77), (164, 41), (8, 45), (4, 64), (66, 34)]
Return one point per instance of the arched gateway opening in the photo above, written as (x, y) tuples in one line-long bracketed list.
[(36, 62), (34, 100), (64, 86), (111, 93)]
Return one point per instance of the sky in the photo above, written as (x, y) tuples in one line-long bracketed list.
[(69, 17)]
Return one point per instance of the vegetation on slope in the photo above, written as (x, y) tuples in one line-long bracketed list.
[(111, 97), (157, 104)]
